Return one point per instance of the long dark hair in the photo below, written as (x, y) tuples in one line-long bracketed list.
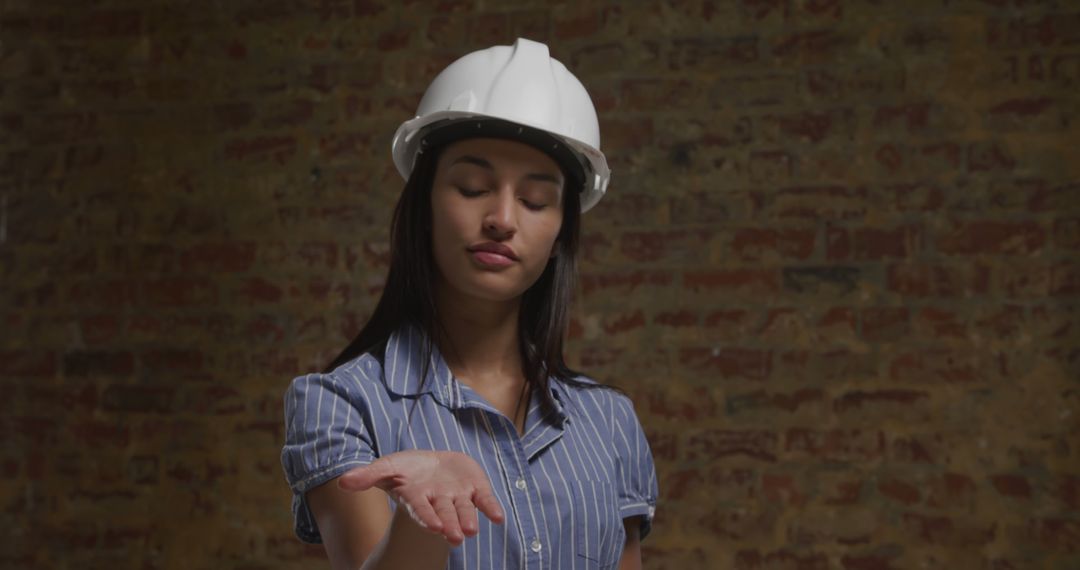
[(409, 295)]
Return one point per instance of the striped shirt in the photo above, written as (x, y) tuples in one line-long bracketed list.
[(566, 485)]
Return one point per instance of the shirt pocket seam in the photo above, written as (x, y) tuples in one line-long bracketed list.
[(594, 552)]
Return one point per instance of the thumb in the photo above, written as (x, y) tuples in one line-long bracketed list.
[(366, 477)]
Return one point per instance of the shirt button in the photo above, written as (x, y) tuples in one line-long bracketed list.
[(520, 484), (535, 545)]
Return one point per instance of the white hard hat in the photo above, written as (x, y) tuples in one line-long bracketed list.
[(517, 92)]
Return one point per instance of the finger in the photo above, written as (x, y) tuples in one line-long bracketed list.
[(466, 514), (419, 509), (448, 514), (488, 504), (366, 477)]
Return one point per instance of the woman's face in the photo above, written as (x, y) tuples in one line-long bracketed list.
[(496, 213)]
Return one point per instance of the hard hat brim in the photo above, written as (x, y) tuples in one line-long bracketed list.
[(590, 161)]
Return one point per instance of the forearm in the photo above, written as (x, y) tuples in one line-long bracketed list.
[(406, 545)]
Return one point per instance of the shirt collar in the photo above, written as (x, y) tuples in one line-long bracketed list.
[(403, 362)]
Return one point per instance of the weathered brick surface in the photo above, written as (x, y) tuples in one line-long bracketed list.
[(837, 269)]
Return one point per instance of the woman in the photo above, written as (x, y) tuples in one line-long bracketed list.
[(455, 401)]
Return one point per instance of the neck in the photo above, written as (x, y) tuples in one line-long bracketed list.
[(479, 338)]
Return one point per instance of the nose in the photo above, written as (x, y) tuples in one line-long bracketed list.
[(500, 218)]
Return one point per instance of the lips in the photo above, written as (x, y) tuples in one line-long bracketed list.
[(493, 254)]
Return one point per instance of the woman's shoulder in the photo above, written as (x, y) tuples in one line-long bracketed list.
[(357, 374), (595, 397)]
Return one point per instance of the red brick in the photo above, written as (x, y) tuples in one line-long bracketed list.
[(1002, 322), (839, 319), (1047, 198), (28, 363), (919, 449), (623, 207), (824, 365), (762, 401), (1011, 485), (1026, 31), (752, 559), (844, 528), (757, 244), (225, 257), (714, 444), (648, 94), (625, 134), (46, 398), (991, 237), (734, 280), (100, 433), (172, 360), (1066, 233), (783, 490), (781, 323), (258, 290), (771, 165), (899, 491), (105, 293), (872, 244), (811, 127), (811, 46), (710, 53), (951, 491), (936, 365), (816, 202), (578, 25), (393, 40), (623, 282), (869, 561), (942, 324), (835, 444), (763, 9), (912, 117), (261, 149), (99, 363), (933, 280), (676, 319), (860, 399), (128, 398), (746, 363), (989, 157), (179, 291), (667, 246), (949, 531), (346, 146), (1040, 280), (885, 323), (840, 489), (696, 405), (1056, 534)]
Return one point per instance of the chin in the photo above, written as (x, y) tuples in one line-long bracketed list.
[(492, 287)]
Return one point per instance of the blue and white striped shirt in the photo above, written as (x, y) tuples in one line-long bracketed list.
[(566, 485)]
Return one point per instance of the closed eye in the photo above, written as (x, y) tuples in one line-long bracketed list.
[(469, 192), (533, 206)]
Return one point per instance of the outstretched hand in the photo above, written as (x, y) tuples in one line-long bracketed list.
[(441, 490)]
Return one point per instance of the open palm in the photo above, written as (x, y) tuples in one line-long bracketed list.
[(441, 490)]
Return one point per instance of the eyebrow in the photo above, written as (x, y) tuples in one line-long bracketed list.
[(483, 163)]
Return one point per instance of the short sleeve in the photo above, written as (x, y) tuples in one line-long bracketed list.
[(637, 485), (325, 436)]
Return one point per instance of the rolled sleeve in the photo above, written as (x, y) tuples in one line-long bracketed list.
[(325, 436), (637, 483)]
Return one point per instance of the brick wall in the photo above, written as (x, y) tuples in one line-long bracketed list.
[(837, 267)]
